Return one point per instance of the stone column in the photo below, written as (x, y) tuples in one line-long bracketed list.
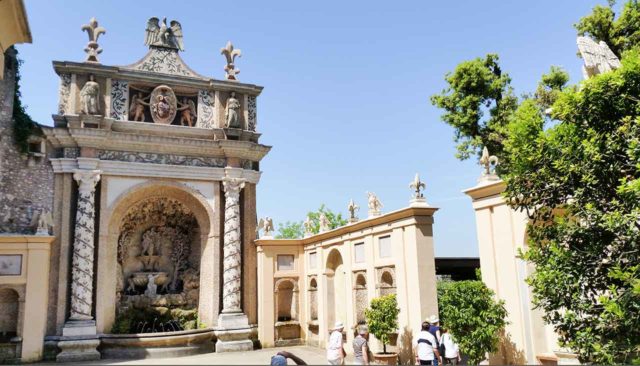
[(233, 329), (79, 345)]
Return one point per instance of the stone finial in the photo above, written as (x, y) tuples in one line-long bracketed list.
[(307, 227), (417, 185), (352, 207), (94, 31), (230, 53), (374, 204), (45, 222), (266, 225), (489, 162), (598, 57)]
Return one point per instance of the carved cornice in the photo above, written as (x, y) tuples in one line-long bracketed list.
[(131, 75), (152, 138)]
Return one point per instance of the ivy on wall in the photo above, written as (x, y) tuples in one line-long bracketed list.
[(23, 125)]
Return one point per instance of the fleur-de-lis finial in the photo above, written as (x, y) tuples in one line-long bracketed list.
[(230, 53), (352, 207), (94, 31), (489, 162), (417, 185)]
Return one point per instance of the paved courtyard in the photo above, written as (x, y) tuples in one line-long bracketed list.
[(311, 355)]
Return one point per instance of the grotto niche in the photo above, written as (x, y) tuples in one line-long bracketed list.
[(158, 275)]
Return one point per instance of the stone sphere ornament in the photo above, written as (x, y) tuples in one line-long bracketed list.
[(163, 105)]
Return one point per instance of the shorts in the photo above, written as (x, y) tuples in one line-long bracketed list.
[(426, 362)]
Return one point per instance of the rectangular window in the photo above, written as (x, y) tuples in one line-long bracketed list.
[(285, 262), (358, 253), (384, 246), (313, 260)]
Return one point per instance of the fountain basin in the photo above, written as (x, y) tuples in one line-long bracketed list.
[(141, 279), (154, 345)]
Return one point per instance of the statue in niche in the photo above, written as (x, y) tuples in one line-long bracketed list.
[(89, 96), (131, 264), (189, 112), (165, 264), (231, 114), (162, 36), (45, 222), (137, 105), (163, 105)]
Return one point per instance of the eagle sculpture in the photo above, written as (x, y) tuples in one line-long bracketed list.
[(598, 57), (161, 35)]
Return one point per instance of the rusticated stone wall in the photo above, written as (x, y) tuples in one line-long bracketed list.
[(26, 182)]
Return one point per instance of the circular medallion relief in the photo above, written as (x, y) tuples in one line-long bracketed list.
[(163, 105)]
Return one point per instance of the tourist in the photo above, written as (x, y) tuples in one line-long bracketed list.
[(361, 345), (425, 347), (335, 350), (434, 329), (451, 349), (280, 359)]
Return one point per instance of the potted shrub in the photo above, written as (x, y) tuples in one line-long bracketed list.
[(382, 319)]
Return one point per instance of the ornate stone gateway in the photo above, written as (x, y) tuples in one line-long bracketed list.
[(163, 164)]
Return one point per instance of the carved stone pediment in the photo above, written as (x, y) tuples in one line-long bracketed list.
[(164, 61)]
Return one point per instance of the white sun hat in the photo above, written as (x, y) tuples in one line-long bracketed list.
[(433, 319), (338, 325)]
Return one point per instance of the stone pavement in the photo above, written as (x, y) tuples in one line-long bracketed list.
[(311, 355)]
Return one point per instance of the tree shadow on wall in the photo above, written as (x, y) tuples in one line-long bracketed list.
[(405, 347), (511, 354)]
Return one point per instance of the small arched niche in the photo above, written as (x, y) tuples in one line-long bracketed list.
[(313, 298), (386, 281), (285, 304), (9, 314), (361, 296)]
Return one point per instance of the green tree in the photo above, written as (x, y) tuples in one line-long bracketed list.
[(23, 125), (382, 318), (470, 312), (620, 33), (477, 104), (579, 182), (295, 229)]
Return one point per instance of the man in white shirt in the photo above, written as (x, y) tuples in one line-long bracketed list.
[(335, 350), (425, 347)]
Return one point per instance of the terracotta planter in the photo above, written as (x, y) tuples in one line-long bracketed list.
[(386, 358)]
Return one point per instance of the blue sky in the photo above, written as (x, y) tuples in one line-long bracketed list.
[(347, 85)]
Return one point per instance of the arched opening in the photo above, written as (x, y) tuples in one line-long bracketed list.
[(336, 289), (361, 296), (387, 284), (287, 327), (285, 301), (9, 314), (158, 255)]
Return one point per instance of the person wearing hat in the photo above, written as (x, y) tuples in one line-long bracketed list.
[(335, 349), (434, 329)]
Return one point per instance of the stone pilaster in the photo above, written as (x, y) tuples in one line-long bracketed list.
[(233, 326), (79, 333)]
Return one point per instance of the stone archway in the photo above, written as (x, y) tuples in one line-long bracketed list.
[(335, 289), (188, 218)]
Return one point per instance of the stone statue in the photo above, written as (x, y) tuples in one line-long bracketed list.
[(417, 185), (152, 288), (89, 96), (324, 223), (230, 54), (94, 31), (160, 35), (598, 57), (266, 225), (231, 115), (45, 222), (136, 108), (307, 227), (352, 207), (374, 204), (189, 113), (489, 162)]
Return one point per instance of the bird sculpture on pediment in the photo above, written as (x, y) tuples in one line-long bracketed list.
[(160, 35)]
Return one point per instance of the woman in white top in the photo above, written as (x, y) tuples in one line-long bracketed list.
[(451, 350), (335, 350)]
